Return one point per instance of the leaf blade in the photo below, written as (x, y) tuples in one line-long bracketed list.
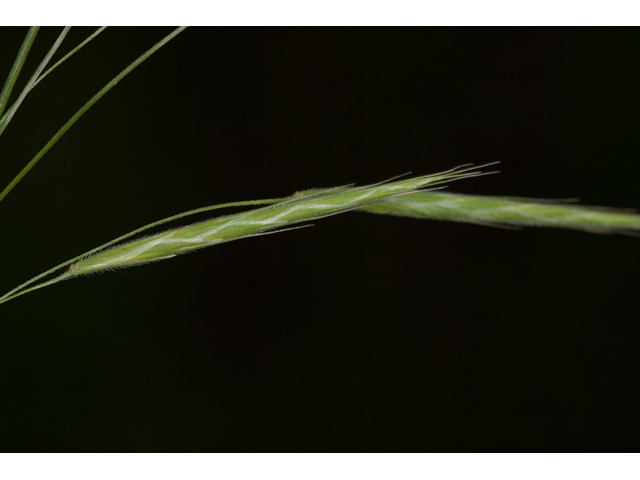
[(17, 68), (84, 109)]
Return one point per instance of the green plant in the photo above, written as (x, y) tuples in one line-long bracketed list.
[(402, 198)]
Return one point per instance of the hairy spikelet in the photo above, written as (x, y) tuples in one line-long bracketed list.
[(255, 222), (499, 211)]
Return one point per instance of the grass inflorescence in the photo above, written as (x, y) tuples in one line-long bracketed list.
[(408, 197)]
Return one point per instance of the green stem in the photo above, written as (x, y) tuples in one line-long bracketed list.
[(64, 276)]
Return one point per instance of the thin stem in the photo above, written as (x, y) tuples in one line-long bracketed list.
[(85, 108), (17, 67), (14, 108), (68, 55), (64, 276)]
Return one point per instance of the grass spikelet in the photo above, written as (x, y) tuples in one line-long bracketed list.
[(242, 225), (502, 211), (302, 207)]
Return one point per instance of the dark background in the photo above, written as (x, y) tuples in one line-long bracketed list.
[(365, 332)]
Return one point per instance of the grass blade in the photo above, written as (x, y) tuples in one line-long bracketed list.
[(85, 108), (505, 211), (4, 122), (68, 55), (17, 67)]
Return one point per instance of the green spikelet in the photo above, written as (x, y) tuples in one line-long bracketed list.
[(500, 211), (255, 222), (301, 207)]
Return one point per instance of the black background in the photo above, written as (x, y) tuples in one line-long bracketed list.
[(366, 332)]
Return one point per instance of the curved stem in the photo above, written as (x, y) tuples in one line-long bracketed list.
[(64, 276)]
